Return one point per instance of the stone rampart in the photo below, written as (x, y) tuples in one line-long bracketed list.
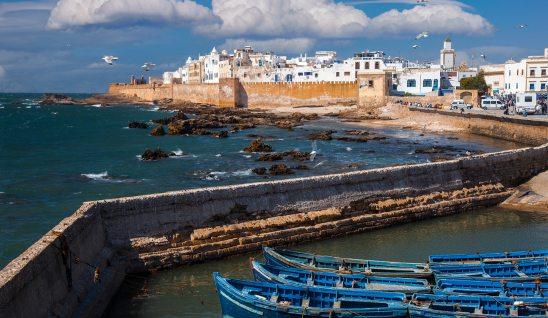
[(75, 268)]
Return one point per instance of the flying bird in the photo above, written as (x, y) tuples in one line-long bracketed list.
[(415, 46), (522, 26), (422, 1), (483, 56), (109, 59), (148, 66), (422, 35)]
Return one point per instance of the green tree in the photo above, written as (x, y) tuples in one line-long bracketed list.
[(476, 82)]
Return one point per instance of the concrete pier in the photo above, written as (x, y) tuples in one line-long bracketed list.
[(76, 267)]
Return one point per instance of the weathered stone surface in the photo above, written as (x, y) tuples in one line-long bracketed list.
[(150, 155), (322, 135), (158, 131), (258, 145)]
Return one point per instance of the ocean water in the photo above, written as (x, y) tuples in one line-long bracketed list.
[(53, 158)]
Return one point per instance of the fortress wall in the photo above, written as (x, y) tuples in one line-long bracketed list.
[(104, 239)]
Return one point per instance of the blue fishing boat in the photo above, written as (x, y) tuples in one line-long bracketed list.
[(487, 257), (440, 305), (295, 276), (526, 269), (341, 265), (491, 287), (249, 299)]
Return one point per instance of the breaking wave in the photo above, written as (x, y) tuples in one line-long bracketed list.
[(105, 177)]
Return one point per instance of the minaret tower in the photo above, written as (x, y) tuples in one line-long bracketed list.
[(447, 55)]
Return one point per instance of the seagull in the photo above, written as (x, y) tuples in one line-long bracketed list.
[(422, 35), (109, 59), (416, 46), (483, 56), (522, 26), (422, 1), (148, 66)]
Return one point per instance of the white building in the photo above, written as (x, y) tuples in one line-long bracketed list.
[(325, 57), (447, 55), (419, 81), (528, 75)]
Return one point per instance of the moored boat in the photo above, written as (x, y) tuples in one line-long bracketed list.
[(302, 277), (487, 257), (527, 269), (491, 287), (249, 299), (440, 305), (342, 265)]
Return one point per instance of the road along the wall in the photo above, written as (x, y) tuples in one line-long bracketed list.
[(76, 267)]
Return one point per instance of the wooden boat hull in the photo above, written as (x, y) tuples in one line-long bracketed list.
[(488, 257), (247, 299), (321, 263), (520, 270), (301, 277), (490, 287)]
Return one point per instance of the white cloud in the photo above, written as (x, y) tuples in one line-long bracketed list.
[(282, 18), (74, 13), (437, 18), (288, 46)]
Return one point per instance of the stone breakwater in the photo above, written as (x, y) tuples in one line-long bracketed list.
[(76, 267)]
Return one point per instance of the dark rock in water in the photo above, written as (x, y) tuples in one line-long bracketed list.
[(138, 124), (322, 135), (165, 121), (263, 137), (158, 131), (57, 99), (301, 167), (259, 171), (258, 145), (356, 132), (297, 155), (157, 154), (271, 157), (280, 169), (220, 134), (435, 149), (200, 132), (286, 124), (188, 126), (361, 138), (243, 126)]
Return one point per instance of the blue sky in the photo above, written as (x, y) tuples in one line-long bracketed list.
[(57, 45)]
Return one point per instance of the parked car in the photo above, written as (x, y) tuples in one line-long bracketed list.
[(526, 103), (460, 104), (491, 103)]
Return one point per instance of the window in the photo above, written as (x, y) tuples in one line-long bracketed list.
[(307, 73), (260, 62), (411, 83), (521, 72), (300, 74), (517, 86), (542, 86), (370, 83), (436, 83), (509, 72), (377, 65), (366, 65), (427, 83), (531, 72), (532, 86), (337, 74), (346, 73), (316, 75), (528, 99), (543, 72), (357, 65), (258, 74)]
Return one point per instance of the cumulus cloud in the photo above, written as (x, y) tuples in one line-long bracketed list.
[(436, 18), (275, 18), (75, 13), (281, 45)]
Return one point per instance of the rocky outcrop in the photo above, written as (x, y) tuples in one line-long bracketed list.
[(279, 170), (220, 134), (151, 155), (158, 131), (322, 135), (138, 124), (258, 145), (58, 99)]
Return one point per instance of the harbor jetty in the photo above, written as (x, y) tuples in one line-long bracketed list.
[(75, 268)]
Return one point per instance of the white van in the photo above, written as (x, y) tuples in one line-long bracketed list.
[(526, 103), (491, 103), (459, 104)]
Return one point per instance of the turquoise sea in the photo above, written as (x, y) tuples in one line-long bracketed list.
[(53, 158)]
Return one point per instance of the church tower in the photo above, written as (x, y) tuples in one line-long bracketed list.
[(447, 55)]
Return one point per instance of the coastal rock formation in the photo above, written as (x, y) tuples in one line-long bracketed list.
[(138, 124), (435, 150), (271, 157), (360, 138), (260, 171), (167, 120), (158, 131), (323, 135), (157, 154), (293, 154), (58, 99), (356, 132), (280, 169), (258, 145)]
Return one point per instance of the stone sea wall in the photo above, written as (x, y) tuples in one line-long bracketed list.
[(76, 267), (512, 128), (232, 93)]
